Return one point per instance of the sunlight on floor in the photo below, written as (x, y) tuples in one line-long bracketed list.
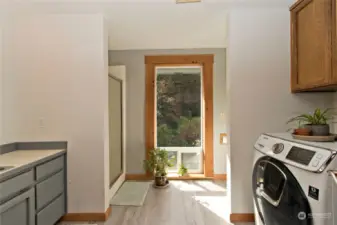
[(184, 186), (208, 194), (200, 186), (210, 186), (216, 204)]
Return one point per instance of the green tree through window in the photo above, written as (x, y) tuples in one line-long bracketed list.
[(178, 110)]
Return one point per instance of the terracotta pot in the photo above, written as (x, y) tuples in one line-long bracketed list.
[(302, 131), (160, 180)]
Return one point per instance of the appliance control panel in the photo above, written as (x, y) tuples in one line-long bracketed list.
[(300, 155)]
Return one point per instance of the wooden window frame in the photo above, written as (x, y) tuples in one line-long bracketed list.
[(206, 61)]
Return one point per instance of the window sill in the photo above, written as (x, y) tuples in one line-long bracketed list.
[(174, 176)]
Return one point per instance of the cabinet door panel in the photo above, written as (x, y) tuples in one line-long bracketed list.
[(19, 210), (334, 41), (49, 189), (49, 167), (16, 184), (17, 215), (311, 44), (52, 212)]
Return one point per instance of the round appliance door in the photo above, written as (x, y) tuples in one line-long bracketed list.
[(278, 196)]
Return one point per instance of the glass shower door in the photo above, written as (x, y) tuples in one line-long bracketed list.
[(115, 129)]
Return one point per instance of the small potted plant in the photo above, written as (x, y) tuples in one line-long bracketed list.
[(157, 164), (182, 170), (302, 130), (316, 122)]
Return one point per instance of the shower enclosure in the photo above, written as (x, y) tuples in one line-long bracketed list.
[(116, 127)]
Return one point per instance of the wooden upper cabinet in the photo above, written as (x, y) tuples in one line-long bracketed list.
[(334, 41), (313, 40)]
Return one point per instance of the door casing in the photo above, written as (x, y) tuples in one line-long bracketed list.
[(206, 62)]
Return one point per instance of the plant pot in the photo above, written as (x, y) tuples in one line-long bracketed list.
[(320, 130), (160, 180), (305, 131)]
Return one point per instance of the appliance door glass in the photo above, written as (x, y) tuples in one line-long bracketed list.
[(278, 196)]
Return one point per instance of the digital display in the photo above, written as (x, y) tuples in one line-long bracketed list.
[(300, 155)]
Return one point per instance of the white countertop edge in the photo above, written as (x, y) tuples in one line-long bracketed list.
[(23, 160)]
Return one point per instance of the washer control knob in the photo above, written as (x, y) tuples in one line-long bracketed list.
[(278, 148)]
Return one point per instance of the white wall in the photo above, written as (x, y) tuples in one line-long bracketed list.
[(146, 24), (105, 97), (334, 126), (167, 26), (55, 80), (258, 57)]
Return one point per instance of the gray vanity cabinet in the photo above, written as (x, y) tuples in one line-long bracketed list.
[(50, 191), (20, 210), (35, 196)]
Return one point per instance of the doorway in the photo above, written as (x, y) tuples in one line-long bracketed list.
[(179, 110)]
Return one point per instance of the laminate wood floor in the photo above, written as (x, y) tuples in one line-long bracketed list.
[(183, 203)]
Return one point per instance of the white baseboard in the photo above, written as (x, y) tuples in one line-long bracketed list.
[(116, 185)]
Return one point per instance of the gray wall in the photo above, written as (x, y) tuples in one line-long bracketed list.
[(135, 79)]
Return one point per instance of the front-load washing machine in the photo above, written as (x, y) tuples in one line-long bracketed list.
[(290, 181)]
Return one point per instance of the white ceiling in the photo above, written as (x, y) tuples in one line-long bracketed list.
[(145, 24)]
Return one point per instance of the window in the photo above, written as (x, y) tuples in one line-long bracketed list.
[(179, 109), (179, 115)]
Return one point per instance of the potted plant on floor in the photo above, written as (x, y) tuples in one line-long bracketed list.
[(316, 122), (157, 164), (182, 170)]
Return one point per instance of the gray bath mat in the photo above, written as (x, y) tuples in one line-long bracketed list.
[(132, 193)]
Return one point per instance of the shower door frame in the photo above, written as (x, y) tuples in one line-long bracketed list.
[(118, 73)]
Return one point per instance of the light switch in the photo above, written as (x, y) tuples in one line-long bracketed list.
[(41, 122), (223, 138)]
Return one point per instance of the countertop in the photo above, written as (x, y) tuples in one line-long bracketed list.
[(24, 159)]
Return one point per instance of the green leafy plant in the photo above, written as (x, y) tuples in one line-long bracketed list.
[(182, 170), (158, 162), (319, 117), (299, 125)]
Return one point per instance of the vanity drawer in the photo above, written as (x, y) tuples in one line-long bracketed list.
[(49, 189), (52, 213), (49, 167), (16, 184)]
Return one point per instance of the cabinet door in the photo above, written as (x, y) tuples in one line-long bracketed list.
[(311, 40), (334, 41), (19, 210)]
